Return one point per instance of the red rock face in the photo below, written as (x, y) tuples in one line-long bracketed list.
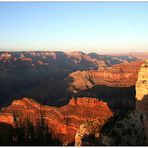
[(87, 102), (6, 118), (63, 121), (120, 75)]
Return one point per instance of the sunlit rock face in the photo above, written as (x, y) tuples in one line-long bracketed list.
[(142, 82), (63, 121), (120, 75), (87, 102), (142, 94), (6, 118)]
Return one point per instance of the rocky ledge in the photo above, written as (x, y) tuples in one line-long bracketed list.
[(120, 75)]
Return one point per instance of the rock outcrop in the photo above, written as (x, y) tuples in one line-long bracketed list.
[(63, 121), (142, 82), (142, 95), (120, 75), (88, 133), (121, 130), (87, 102)]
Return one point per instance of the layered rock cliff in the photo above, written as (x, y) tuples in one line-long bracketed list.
[(64, 121), (142, 95), (120, 75), (142, 82)]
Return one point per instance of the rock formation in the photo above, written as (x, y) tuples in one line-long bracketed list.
[(87, 102), (142, 95), (142, 82), (128, 128), (121, 130), (88, 133), (63, 121), (120, 75)]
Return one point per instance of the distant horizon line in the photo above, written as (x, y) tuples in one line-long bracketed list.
[(121, 53)]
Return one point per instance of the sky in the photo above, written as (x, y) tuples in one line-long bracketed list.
[(105, 27)]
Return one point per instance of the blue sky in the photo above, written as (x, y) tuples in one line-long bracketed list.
[(69, 26)]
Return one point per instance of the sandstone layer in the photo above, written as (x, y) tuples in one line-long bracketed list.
[(120, 75), (142, 94), (142, 82)]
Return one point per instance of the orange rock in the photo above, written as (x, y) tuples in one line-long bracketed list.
[(120, 75), (63, 121), (72, 101)]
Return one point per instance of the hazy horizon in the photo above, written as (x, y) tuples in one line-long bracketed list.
[(85, 52), (101, 27)]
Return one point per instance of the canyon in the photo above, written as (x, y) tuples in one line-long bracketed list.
[(124, 129), (106, 83), (24, 74), (48, 76), (74, 94), (119, 75)]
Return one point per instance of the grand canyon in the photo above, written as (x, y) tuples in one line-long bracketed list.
[(73, 73), (73, 98)]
